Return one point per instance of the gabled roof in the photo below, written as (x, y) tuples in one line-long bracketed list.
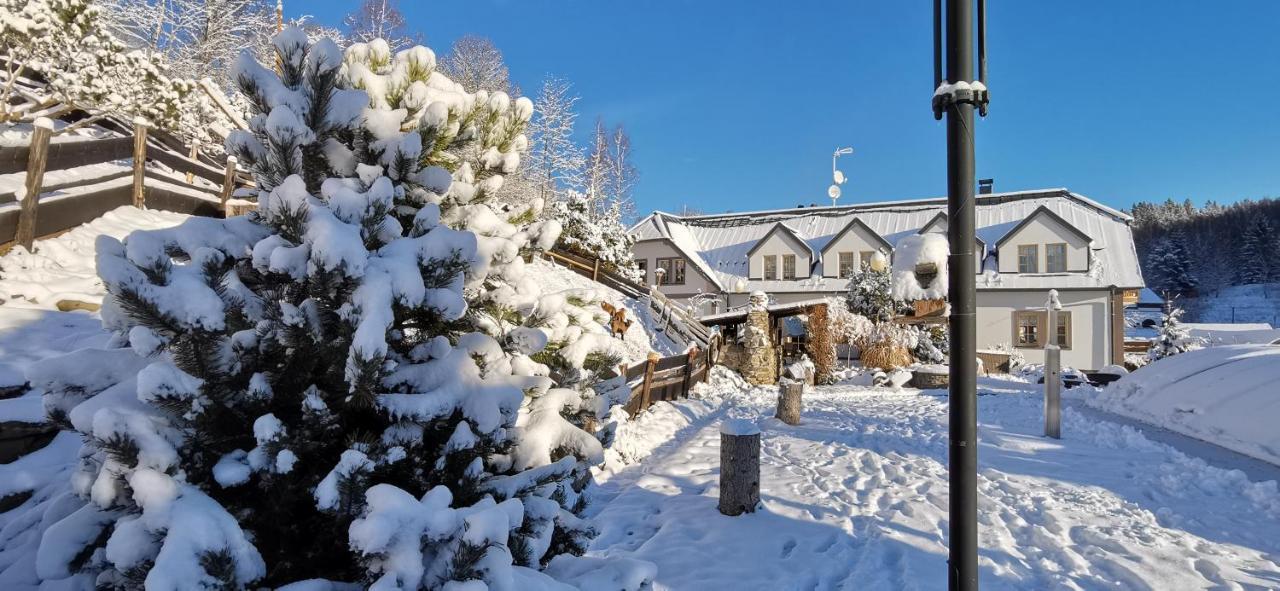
[(942, 217), (1042, 210), (721, 241), (781, 227), (857, 223)]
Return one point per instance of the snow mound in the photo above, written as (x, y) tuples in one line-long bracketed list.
[(911, 252), (62, 268), (1224, 395)]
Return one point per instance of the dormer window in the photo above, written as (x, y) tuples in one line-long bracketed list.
[(771, 267), (1055, 257), (789, 266), (1028, 258)]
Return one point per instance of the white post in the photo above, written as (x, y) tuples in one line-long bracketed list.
[(1052, 370)]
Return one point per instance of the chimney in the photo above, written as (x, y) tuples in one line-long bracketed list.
[(985, 186)]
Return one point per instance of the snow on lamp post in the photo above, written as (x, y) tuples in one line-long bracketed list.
[(837, 177), (1052, 369)]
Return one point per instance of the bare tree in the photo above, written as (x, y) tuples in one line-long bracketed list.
[(622, 174), (381, 19), (199, 38), (476, 63), (556, 162), (608, 176)]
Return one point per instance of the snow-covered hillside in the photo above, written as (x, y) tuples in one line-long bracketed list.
[(62, 268), (1259, 302), (1225, 395), (856, 498)]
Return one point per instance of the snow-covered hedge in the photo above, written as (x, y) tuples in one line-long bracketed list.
[(357, 383)]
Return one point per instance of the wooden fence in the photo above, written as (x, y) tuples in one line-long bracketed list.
[(37, 217), (670, 316), (667, 378)]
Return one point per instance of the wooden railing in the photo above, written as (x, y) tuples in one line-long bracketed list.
[(670, 316), (670, 378), (35, 218)]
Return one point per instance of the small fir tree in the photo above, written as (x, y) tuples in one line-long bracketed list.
[(870, 292), (358, 382), (598, 236), (1174, 337)]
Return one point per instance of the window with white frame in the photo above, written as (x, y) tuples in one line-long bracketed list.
[(788, 266), (672, 271), (771, 266), (846, 265)]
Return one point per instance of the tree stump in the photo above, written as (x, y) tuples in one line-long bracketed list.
[(739, 467), (789, 405)]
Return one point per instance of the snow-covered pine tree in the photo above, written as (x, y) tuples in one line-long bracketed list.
[(1174, 337), (1170, 262), (870, 293), (1258, 252), (341, 385), (596, 235)]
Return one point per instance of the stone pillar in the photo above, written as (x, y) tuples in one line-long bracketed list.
[(760, 366)]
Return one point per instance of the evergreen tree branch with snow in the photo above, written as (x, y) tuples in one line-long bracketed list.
[(359, 382), (1174, 337)]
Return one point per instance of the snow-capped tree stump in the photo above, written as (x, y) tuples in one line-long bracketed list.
[(739, 467), (789, 405)]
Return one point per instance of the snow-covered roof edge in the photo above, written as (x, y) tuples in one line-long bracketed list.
[(1039, 211), (855, 222), (813, 254)]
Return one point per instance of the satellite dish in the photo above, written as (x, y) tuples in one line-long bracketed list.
[(838, 176), (833, 192)]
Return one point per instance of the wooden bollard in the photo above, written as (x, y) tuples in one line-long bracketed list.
[(739, 466), (789, 405)]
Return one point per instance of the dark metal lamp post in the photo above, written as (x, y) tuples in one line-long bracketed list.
[(957, 96)]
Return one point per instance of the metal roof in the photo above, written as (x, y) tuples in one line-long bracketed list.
[(719, 243)]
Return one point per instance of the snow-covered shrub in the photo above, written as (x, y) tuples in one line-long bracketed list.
[(358, 382), (931, 343), (1016, 359), (870, 292), (889, 346), (69, 44), (594, 236), (1173, 338)]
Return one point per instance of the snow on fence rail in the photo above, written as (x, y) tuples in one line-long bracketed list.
[(668, 315), (80, 201)]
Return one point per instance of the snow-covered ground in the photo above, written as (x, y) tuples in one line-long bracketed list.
[(1259, 302), (556, 278), (856, 498), (1225, 394), (62, 268)]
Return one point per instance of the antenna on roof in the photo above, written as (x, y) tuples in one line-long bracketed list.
[(837, 177)]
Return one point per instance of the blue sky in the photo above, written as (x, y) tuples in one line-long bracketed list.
[(738, 105)]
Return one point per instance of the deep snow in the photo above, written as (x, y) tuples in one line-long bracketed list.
[(856, 498)]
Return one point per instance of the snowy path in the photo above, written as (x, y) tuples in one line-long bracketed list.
[(856, 498)]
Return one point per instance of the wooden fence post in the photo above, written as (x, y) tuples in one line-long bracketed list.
[(139, 160), (688, 372), (595, 271), (195, 155), (649, 366), (37, 157), (228, 183), (739, 467)]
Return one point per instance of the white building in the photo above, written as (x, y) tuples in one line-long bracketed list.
[(1027, 243)]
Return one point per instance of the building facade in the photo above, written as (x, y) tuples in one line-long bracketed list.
[(1027, 243)]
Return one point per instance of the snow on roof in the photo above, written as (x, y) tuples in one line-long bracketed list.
[(721, 241)]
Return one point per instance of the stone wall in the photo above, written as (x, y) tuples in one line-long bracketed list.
[(760, 365)]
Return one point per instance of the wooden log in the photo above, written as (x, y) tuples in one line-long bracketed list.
[(789, 405), (228, 183), (739, 467), (648, 380), (36, 160), (139, 161)]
